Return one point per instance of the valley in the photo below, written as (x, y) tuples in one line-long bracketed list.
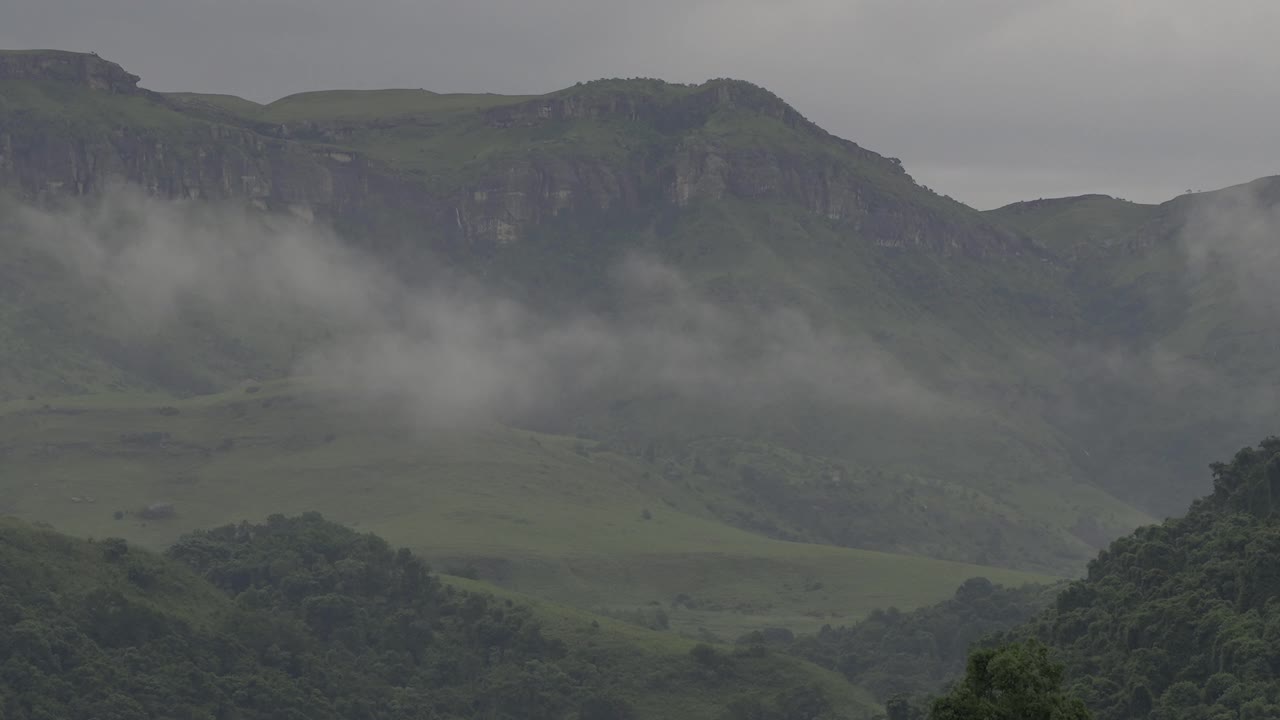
[(664, 370)]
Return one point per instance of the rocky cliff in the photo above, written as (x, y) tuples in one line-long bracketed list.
[(87, 70), (594, 148)]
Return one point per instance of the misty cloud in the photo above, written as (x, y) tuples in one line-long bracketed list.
[(1232, 238), (447, 351)]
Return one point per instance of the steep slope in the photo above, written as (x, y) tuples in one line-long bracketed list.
[(300, 617), (1181, 324), (1179, 619)]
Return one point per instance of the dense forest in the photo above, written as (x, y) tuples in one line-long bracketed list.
[(302, 618), (1181, 621)]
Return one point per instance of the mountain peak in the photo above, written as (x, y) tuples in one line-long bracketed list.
[(668, 105), (1063, 203), (85, 69)]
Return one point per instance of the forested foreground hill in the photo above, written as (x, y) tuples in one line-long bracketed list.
[(1181, 621), (301, 618)]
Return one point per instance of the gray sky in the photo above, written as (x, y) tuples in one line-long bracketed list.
[(988, 101)]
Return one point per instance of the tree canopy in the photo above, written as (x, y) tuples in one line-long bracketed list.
[(302, 618), (1013, 682)]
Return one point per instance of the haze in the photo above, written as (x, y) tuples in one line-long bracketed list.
[(446, 352)]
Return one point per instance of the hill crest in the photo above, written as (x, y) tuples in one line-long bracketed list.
[(86, 69), (493, 168)]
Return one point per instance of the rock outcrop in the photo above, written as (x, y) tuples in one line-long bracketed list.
[(84, 69)]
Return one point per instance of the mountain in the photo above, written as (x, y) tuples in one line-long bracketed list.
[(757, 210), (555, 517), (299, 617), (770, 334)]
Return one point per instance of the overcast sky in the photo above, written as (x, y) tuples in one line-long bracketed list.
[(988, 101)]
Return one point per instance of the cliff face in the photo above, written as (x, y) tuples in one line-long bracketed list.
[(87, 70), (339, 170), (826, 175), (199, 162)]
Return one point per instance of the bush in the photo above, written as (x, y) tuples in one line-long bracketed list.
[(705, 655)]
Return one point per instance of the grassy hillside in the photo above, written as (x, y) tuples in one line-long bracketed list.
[(551, 516), (300, 617), (1074, 226), (1183, 332), (971, 350)]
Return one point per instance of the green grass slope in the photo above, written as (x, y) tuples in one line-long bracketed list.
[(645, 650), (542, 514), (1074, 226)]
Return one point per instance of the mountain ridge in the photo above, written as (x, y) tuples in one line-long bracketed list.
[(87, 69), (494, 203)]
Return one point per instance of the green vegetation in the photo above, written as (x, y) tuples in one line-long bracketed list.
[(299, 617), (77, 111), (1078, 227), (329, 105), (1174, 622), (207, 102), (899, 654), (1004, 338), (547, 515), (984, 391), (1179, 346), (1179, 620), (1016, 682), (979, 472)]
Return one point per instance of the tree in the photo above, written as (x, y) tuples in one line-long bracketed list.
[(899, 707), (605, 706), (1013, 682)]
